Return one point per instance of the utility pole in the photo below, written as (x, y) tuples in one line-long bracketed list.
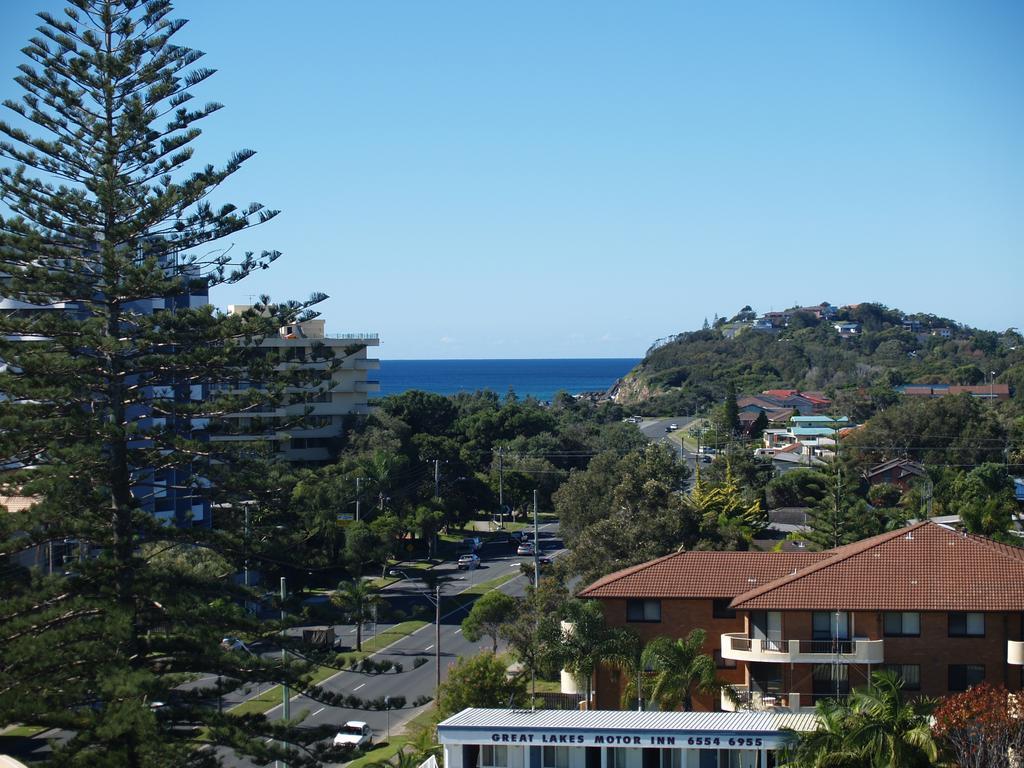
[(536, 545), (437, 478), (248, 522), (286, 707), (437, 641), (501, 486), (358, 495)]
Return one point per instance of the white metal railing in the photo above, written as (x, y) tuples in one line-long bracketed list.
[(739, 646)]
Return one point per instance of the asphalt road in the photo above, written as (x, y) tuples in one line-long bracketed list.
[(498, 559)]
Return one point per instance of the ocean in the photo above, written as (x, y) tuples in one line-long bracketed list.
[(539, 378)]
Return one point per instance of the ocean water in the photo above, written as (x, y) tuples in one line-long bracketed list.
[(539, 378)]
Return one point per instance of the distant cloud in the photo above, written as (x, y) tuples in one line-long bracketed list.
[(448, 340)]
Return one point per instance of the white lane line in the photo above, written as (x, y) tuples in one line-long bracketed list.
[(359, 686), (318, 711), (458, 630), (429, 647)]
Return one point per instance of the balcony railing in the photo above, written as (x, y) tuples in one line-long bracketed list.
[(737, 645), (743, 697)]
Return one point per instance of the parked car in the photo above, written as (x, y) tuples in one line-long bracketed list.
[(544, 559), (354, 733), (469, 562), (472, 543), (673, 426), (234, 644), (526, 548)]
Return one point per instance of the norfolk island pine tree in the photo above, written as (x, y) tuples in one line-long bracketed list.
[(108, 216)]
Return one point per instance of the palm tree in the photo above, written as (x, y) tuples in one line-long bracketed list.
[(585, 644), (357, 598), (828, 745), (679, 669), (624, 649), (891, 731), (876, 729)]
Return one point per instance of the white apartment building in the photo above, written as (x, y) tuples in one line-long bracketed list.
[(307, 431)]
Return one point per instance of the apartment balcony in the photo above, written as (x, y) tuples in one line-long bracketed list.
[(366, 364), (1015, 652), (743, 699), (367, 386), (738, 646)]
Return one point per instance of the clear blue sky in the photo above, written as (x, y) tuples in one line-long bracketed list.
[(576, 179)]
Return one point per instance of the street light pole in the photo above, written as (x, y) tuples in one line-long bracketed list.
[(437, 641)]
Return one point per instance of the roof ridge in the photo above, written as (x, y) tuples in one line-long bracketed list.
[(841, 553)]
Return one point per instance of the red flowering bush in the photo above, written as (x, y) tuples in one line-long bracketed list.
[(981, 727)]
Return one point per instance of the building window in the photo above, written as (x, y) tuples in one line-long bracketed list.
[(643, 610), (902, 624), (723, 663), (616, 757), (671, 758), (721, 609), (966, 625), (830, 681), (910, 674), (963, 676), (557, 757), (493, 756)]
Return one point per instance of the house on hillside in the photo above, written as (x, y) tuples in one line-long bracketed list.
[(847, 328), (899, 472), (991, 391)]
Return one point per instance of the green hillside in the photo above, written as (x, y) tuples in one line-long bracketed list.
[(691, 371)]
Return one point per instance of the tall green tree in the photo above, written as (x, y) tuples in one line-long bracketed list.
[(109, 227), (357, 599), (479, 681), (487, 616), (731, 418), (584, 642)]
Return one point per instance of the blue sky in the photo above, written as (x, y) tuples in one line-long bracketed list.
[(576, 179)]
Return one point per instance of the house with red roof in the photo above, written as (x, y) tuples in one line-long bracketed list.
[(942, 609)]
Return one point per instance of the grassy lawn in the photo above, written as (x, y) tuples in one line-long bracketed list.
[(24, 731), (379, 754), (549, 686), (384, 639)]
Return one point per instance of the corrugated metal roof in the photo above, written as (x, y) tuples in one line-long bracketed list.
[(549, 719)]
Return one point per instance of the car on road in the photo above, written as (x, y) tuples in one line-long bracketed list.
[(469, 562), (673, 426), (354, 733), (704, 458), (234, 644), (544, 559), (472, 543), (526, 548)]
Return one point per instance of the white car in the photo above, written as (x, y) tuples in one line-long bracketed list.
[(354, 733), (469, 562), (526, 548)]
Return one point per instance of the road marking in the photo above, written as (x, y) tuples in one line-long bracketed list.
[(429, 647), (318, 711), (458, 630), (359, 686)]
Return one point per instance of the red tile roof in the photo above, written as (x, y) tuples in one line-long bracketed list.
[(924, 567), (700, 574), (780, 392)]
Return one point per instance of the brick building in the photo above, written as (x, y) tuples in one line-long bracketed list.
[(941, 608)]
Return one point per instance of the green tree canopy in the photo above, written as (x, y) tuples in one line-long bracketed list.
[(487, 616), (479, 681)]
